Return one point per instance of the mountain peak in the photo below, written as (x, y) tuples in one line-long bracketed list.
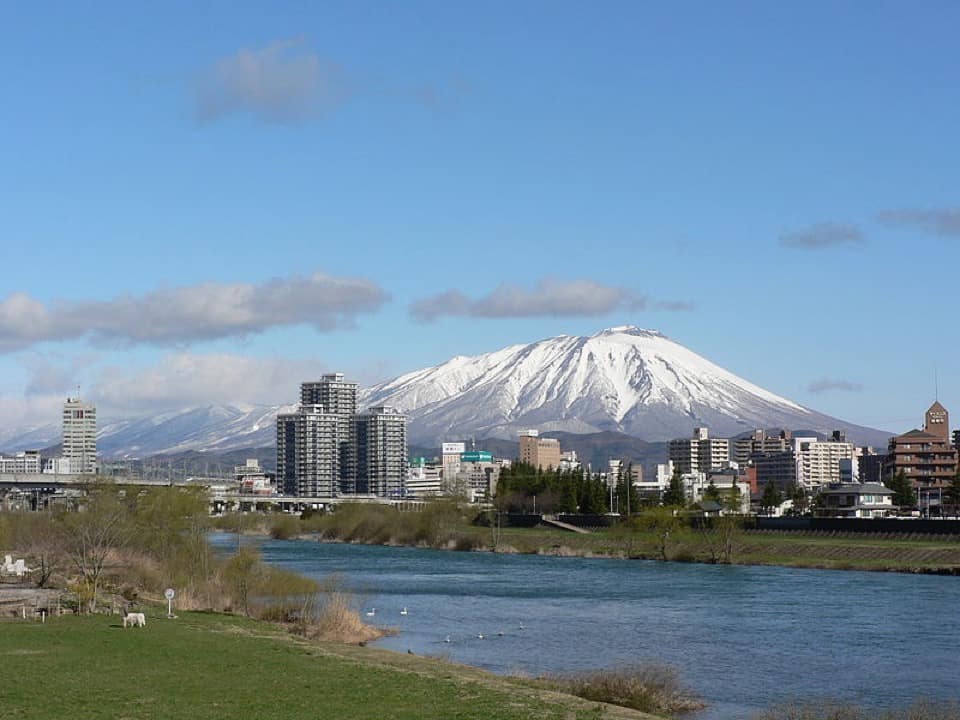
[(628, 330), (623, 379)]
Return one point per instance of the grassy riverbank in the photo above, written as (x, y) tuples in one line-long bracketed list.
[(206, 665), (806, 550), (446, 527)]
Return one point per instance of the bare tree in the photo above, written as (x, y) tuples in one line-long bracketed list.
[(90, 534), (42, 541)]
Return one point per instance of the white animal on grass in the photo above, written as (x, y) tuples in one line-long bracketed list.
[(134, 620)]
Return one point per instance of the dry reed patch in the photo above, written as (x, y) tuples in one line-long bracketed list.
[(649, 688), (333, 618)]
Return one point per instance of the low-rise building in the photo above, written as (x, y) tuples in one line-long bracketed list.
[(26, 461), (424, 479), (854, 500), (253, 479), (727, 482), (542, 453)]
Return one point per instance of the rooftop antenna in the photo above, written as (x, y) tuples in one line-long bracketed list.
[(936, 383)]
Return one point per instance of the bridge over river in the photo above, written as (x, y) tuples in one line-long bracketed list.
[(39, 490)]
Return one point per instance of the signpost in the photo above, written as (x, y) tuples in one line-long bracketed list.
[(168, 594)]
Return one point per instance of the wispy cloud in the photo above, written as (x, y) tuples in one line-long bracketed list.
[(281, 83), (289, 83), (937, 221), (549, 298), (828, 385), (675, 306), (823, 235), (200, 312)]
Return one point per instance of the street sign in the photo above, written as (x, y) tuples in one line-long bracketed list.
[(168, 594)]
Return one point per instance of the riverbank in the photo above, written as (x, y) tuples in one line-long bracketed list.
[(931, 554), (208, 665)]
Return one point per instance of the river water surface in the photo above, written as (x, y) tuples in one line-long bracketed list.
[(744, 638)]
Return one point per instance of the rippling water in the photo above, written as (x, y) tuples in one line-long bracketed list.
[(743, 637)]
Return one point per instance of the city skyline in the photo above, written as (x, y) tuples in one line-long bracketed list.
[(203, 210)]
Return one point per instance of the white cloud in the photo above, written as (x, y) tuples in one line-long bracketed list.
[(548, 298), (200, 312)]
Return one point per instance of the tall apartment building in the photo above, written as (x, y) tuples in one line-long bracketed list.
[(309, 452), (699, 453), (338, 397), (760, 442), (537, 451), (779, 468), (924, 456), (381, 451), (870, 465), (818, 461), (80, 436)]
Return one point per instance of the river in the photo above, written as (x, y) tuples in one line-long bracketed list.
[(744, 638)]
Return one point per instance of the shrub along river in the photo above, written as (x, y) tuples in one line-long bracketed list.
[(744, 638)]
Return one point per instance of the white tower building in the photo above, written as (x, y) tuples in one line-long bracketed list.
[(80, 436)]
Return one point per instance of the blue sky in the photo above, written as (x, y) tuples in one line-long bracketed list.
[(203, 204)]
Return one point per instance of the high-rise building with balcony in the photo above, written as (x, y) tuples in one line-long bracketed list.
[(700, 453), (759, 442), (925, 456), (338, 397), (325, 448), (308, 452), (80, 436), (381, 451)]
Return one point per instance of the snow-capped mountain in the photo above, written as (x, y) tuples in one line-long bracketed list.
[(625, 379), (212, 428)]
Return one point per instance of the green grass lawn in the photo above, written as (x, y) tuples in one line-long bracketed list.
[(214, 666)]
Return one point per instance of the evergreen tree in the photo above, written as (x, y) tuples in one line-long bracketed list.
[(675, 495), (903, 492), (799, 497), (628, 500), (952, 493), (711, 493), (771, 498)]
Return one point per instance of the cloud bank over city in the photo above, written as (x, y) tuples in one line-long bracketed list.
[(175, 381), (207, 311)]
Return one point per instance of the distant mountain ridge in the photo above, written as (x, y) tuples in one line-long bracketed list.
[(623, 380)]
